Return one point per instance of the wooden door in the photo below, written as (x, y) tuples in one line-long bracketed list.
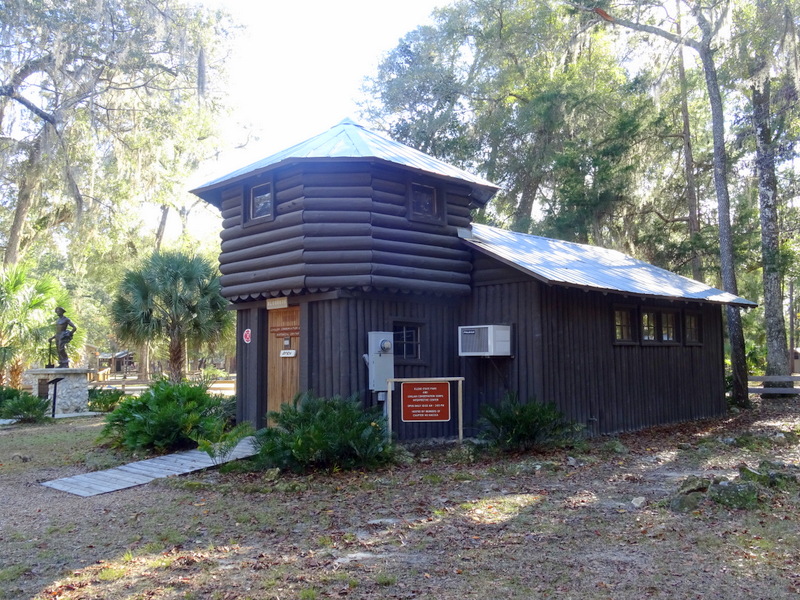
[(283, 357)]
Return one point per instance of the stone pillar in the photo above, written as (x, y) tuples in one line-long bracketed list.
[(73, 390)]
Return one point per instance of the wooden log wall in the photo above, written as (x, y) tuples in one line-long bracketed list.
[(251, 361), (629, 387), (564, 353), (336, 340), (504, 299), (343, 225)]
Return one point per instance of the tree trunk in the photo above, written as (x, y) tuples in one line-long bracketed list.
[(15, 374), (31, 172), (177, 359), (735, 332), (521, 219), (688, 164), (162, 226), (777, 351), (144, 362)]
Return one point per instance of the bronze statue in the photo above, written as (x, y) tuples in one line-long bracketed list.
[(65, 329)]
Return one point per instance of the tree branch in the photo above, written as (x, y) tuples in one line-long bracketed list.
[(667, 35), (11, 90)]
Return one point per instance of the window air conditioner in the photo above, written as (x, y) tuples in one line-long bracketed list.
[(484, 340)]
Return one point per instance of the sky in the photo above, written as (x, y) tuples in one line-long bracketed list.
[(298, 67)]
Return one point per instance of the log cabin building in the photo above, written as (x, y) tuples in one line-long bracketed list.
[(350, 232)]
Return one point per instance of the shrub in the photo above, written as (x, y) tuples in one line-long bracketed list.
[(23, 406), (516, 426), (167, 416), (101, 400), (324, 433), (223, 440)]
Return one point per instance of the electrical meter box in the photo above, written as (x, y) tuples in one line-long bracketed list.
[(380, 359)]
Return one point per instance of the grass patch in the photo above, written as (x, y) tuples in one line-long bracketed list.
[(385, 579), (12, 573), (112, 573)]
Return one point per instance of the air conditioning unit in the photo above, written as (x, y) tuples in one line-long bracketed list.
[(484, 340)]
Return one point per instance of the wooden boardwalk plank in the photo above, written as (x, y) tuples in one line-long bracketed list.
[(154, 471), (127, 476), (179, 463), (144, 471)]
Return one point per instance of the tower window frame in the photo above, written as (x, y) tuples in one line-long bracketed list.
[(426, 203), (259, 202)]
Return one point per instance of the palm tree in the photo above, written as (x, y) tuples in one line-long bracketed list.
[(175, 297), (26, 316)]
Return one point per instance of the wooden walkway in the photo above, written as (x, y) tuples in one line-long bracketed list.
[(145, 471)]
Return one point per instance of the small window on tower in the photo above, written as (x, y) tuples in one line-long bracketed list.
[(425, 204), (262, 205)]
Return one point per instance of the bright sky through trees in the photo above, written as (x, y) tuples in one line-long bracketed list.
[(297, 67)]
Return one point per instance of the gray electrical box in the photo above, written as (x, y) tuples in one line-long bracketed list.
[(380, 359)]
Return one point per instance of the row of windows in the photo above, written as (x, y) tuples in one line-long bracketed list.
[(425, 203), (650, 326), (631, 326)]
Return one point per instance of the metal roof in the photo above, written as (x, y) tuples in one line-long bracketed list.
[(348, 140), (590, 267)]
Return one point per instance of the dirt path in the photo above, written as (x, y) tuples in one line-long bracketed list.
[(450, 524)]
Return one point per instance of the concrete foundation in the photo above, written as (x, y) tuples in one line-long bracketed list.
[(72, 391)]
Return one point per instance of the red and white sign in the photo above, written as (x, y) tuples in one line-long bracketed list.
[(425, 401), (247, 336)]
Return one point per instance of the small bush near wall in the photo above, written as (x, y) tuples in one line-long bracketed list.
[(324, 433), (23, 406), (515, 426), (168, 416), (104, 400)]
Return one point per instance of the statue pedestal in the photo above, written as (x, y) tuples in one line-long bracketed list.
[(72, 393)]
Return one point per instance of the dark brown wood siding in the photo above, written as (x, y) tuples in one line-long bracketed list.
[(251, 365), (564, 352), (337, 341), (343, 226)]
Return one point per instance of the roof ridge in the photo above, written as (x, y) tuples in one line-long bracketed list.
[(349, 140)]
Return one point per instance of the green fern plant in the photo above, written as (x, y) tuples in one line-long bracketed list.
[(513, 426), (324, 433), (101, 400), (168, 416), (23, 406), (219, 443)]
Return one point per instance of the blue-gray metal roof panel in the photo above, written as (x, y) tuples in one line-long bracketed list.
[(350, 140), (591, 267)]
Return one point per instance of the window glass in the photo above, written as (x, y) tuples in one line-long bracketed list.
[(406, 341), (692, 328), (261, 202), (623, 325), (649, 326), (668, 327), (425, 203)]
